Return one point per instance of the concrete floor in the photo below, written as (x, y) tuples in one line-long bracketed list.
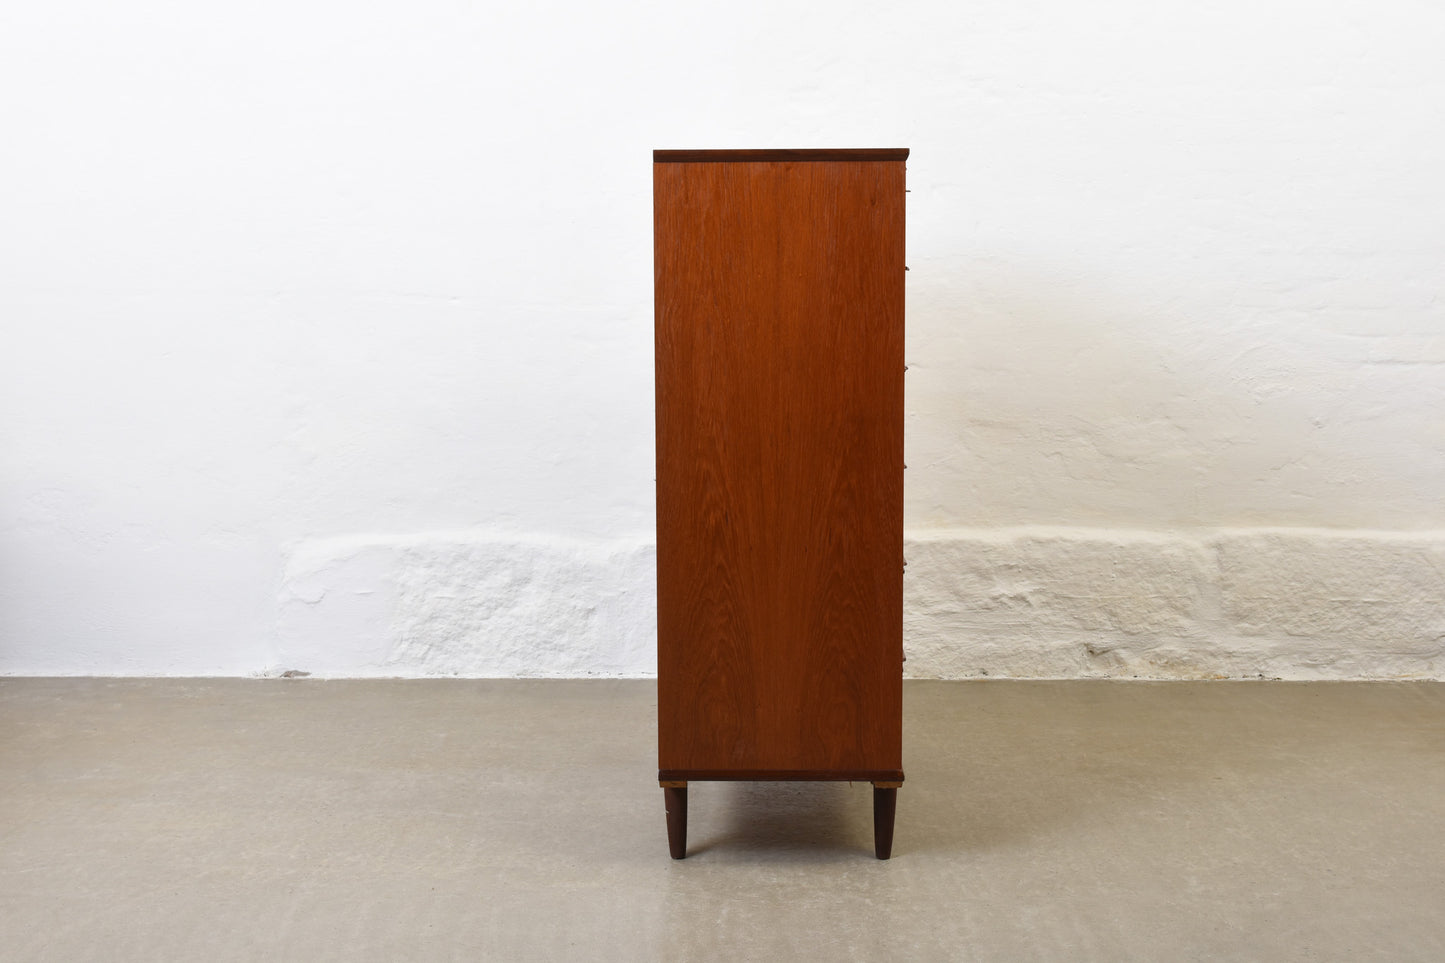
[(519, 820)]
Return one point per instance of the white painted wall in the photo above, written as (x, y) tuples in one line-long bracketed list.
[(327, 327)]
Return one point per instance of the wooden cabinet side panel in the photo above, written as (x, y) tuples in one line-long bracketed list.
[(779, 365)]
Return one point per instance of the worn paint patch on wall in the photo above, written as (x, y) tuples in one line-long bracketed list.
[(1067, 603), (469, 605)]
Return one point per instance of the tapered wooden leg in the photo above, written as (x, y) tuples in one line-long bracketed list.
[(885, 806), (675, 799)]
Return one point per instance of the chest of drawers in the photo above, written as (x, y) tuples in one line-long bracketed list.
[(779, 289)]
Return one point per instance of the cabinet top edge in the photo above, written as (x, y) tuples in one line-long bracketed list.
[(742, 156)]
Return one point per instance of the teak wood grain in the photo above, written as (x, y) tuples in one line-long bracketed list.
[(779, 373)]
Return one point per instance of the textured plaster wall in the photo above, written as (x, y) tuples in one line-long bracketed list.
[(328, 328), (1022, 602)]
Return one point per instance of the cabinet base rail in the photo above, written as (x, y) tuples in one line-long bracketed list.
[(885, 798)]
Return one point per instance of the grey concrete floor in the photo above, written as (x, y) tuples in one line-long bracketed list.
[(517, 820)]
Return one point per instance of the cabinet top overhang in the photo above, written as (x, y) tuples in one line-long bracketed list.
[(744, 156)]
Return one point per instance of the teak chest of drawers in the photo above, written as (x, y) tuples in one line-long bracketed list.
[(779, 367)]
